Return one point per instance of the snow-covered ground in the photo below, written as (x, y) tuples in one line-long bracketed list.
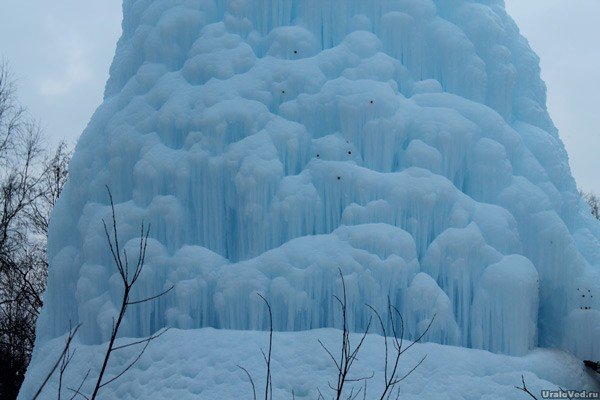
[(203, 364)]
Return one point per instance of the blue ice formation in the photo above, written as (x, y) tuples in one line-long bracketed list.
[(271, 142)]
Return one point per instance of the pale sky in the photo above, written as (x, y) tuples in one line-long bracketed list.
[(60, 52)]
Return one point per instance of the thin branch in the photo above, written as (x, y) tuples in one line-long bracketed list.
[(57, 363), (565, 392), (78, 391), (347, 354), (417, 340), (524, 389), (63, 367), (320, 395), (413, 369), (268, 389), (385, 339), (129, 303), (128, 366), (251, 380), (330, 355), (391, 379), (148, 339), (122, 265)]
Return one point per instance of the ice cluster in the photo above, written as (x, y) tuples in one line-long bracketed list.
[(270, 143)]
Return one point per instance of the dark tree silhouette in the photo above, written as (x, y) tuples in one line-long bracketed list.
[(593, 201), (24, 192)]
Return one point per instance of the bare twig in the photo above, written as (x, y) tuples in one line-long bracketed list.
[(347, 354), (148, 339), (151, 298), (266, 357), (565, 392), (78, 390), (58, 362), (251, 380), (129, 278), (321, 397), (131, 364), (66, 360), (525, 389), (391, 378), (269, 387)]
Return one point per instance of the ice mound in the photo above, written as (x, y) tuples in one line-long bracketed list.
[(271, 142)]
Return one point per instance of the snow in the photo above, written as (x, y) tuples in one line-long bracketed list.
[(192, 364), (270, 143)]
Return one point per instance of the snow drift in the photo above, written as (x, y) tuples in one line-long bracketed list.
[(271, 142), (202, 364)]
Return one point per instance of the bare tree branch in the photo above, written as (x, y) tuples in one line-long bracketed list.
[(129, 303), (268, 388), (24, 209), (131, 364), (251, 380), (128, 280), (347, 354), (57, 363), (66, 360), (78, 390), (525, 389), (148, 339)]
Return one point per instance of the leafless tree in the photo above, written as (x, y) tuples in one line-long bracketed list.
[(391, 371), (266, 357), (129, 278), (524, 388), (392, 375), (63, 360), (67, 357), (24, 193), (53, 179), (249, 375), (345, 386), (593, 201), (348, 354), (22, 251), (129, 274)]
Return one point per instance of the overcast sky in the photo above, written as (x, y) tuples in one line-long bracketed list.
[(60, 52)]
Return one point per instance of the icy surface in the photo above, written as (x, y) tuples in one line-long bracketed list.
[(271, 142), (202, 364)]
